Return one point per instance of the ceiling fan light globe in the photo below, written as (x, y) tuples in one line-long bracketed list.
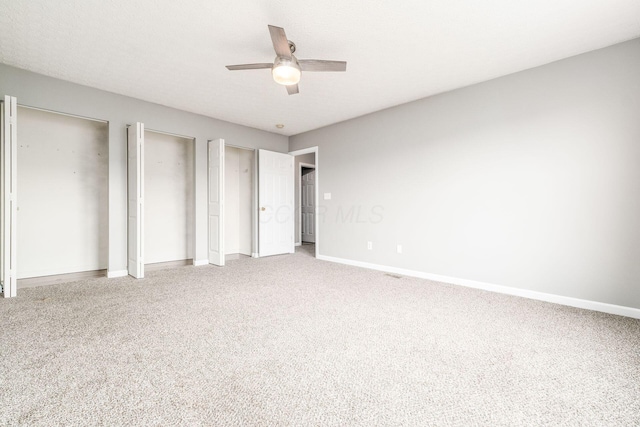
[(286, 72)]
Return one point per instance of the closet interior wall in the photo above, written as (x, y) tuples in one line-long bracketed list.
[(62, 184), (169, 198), (239, 180)]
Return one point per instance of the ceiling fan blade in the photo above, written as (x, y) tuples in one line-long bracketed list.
[(293, 89), (280, 42), (321, 65), (250, 66)]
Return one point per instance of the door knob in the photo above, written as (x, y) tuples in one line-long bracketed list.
[(263, 208)]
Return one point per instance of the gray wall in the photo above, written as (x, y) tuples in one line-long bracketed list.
[(530, 181), (48, 93)]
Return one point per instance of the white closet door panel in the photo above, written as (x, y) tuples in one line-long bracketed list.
[(135, 182), (9, 160), (216, 202)]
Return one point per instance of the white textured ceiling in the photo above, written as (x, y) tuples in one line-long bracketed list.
[(174, 52)]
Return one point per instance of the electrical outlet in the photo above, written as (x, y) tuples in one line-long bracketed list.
[(399, 249), (370, 245)]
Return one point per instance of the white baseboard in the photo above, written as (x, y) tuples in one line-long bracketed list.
[(200, 262), (541, 296), (298, 244), (116, 273), (255, 255)]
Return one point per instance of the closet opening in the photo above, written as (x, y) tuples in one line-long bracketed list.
[(62, 187), (239, 197), (169, 201)]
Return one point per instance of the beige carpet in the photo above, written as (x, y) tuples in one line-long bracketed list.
[(290, 340)]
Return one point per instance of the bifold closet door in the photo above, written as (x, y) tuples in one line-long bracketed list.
[(62, 179), (216, 202), (135, 203), (8, 196), (168, 198)]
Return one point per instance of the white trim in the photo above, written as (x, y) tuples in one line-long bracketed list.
[(525, 293), (316, 151), (255, 255), (200, 262), (29, 107), (117, 273), (239, 147), (298, 244), (177, 135)]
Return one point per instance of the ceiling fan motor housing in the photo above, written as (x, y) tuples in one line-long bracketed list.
[(286, 71)]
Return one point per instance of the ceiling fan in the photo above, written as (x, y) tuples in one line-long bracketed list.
[(286, 68)]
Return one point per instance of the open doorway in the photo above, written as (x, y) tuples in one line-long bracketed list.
[(306, 199), (307, 204)]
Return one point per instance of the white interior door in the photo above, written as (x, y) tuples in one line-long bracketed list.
[(8, 187), (135, 182), (307, 206), (216, 202), (275, 201)]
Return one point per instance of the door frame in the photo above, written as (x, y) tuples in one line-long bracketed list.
[(299, 178), (314, 150)]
